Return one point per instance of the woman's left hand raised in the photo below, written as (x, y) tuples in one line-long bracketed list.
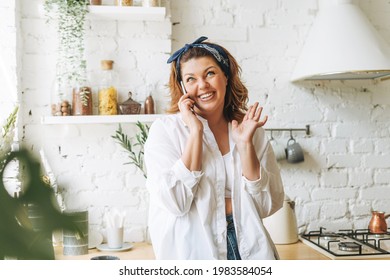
[(243, 133)]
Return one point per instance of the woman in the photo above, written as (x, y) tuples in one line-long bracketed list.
[(212, 175)]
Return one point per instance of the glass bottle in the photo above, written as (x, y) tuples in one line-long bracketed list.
[(151, 3), (107, 94), (149, 105)]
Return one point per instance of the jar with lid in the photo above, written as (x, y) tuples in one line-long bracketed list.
[(107, 93), (130, 106), (61, 98)]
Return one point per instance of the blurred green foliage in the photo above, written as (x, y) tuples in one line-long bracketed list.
[(18, 238)]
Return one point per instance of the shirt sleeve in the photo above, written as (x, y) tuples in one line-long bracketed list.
[(189, 178), (267, 191), (171, 185)]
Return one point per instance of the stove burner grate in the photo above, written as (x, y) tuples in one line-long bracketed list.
[(349, 246), (330, 236)]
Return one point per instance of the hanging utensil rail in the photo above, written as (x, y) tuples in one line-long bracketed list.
[(307, 129)]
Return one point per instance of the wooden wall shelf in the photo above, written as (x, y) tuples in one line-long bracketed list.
[(134, 13), (99, 119)]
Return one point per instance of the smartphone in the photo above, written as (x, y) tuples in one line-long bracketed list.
[(185, 92), (183, 88)]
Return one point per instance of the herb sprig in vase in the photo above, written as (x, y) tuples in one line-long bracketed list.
[(135, 150)]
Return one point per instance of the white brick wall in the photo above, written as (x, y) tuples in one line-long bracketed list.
[(347, 154), (8, 58), (346, 172), (88, 164)]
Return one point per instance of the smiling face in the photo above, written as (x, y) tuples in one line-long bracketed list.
[(206, 83)]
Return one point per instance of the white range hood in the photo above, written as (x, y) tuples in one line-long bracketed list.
[(342, 45)]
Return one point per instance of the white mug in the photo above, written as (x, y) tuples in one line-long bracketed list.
[(279, 150)]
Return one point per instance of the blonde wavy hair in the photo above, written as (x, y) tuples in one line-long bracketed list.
[(236, 97)]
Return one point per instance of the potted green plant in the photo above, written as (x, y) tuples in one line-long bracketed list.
[(69, 17)]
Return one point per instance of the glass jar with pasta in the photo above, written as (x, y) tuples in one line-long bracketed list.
[(124, 2), (107, 94)]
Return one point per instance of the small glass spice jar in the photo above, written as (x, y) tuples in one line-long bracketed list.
[(81, 101), (60, 99), (95, 2)]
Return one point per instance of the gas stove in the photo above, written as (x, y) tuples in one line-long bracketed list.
[(349, 244)]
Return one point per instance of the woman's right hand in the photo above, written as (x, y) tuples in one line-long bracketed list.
[(192, 154), (186, 107)]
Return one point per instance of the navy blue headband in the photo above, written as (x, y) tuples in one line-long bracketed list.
[(216, 51)]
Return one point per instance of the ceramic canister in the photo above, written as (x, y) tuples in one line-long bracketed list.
[(282, 225), (75, 244)]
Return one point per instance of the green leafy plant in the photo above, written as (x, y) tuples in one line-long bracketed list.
[(18, 237), (69, 16), (135, 150)]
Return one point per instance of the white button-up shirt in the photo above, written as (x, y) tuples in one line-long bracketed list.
[(187, 218)]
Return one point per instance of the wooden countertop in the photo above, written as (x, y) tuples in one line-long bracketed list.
[(299, 251), (140, 251), (144, 251)]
